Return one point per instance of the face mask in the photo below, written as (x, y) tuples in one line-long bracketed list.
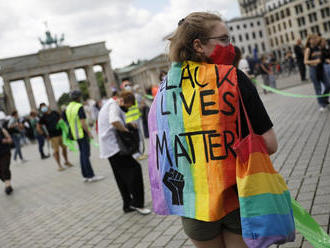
[(123, 108), (128, 88), (44, 109), (223, 55)]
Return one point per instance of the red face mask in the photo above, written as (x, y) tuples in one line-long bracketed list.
[(223, 55)]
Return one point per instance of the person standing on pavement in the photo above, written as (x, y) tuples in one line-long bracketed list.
[(76, 117), (126, 169), (312, 58), (299, 52), (15, 127), (5, 174), (201, 42), (34, 119), (49, 120)]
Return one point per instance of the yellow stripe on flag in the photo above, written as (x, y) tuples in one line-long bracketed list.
[(272, 183)]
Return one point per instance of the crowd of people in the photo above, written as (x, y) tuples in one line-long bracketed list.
[(201, 40)]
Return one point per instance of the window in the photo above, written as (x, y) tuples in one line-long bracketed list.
[(298, 8), (276, 41), (233, 39), (251, 24), (284, 25), (310, 4), (269, 31), (281, 37), (301, 21), (243, 50), (325, 12), (249, 48), (274, 29), (326, 26), (288, 13), (290, 23), (271, 18), (282, 14), (247, 36), (240, 37), (292, 35), (258, 23), (303, 34), (263, 46), (267, 21), (315, 29), (314, 16), (244, 26), (260, 34), (271, 43), (279, 27), (286, 37), (277, 16), (237, 27), (231, 28), (253, 35)]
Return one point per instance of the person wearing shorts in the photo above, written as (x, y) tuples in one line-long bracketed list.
[(49, 120)]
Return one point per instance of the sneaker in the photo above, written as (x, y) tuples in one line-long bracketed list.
[(95, 179), (68, 164), (9, 190), (61, 169), (143, 211), (322, 109), (128, 210), (45, 156)]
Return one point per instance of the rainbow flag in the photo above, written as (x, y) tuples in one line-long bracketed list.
[(265, 202), (192, 127)]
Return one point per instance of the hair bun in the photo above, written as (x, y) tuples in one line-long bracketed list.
[(181, 21)]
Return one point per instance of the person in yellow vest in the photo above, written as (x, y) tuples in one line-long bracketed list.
[(76, 117), (133, 115)]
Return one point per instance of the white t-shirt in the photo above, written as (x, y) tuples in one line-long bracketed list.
[(244, 66), (109, 113)]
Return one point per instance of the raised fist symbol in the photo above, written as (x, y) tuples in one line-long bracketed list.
[(175, 183)]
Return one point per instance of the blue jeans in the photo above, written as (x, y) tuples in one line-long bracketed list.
[(41, 143), (323, 101), (86, 167), (17, 143)]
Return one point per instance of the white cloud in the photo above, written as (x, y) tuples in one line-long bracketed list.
[(131, 32)]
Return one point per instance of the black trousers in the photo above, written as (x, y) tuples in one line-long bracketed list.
[(4, 167), (302, 69), (129, 179)]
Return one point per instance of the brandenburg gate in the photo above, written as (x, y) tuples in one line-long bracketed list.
[(55, 60)]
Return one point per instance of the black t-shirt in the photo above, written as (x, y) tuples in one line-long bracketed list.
[(4, 148), (255, 109), (299, 53), (50, 121)]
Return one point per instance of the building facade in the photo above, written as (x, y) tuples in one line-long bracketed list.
[(249, 34), (252, 7), (284, 22), (144, 73)]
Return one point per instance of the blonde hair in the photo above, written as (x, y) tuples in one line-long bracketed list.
[(309, 37), (197, 25)]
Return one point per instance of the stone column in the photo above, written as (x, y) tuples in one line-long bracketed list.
[(10, 102), (109, 78), (49, 91), (93, 89), (72, 79), (30, 94)]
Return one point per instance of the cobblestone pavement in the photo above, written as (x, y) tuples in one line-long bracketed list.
[(57, 209)]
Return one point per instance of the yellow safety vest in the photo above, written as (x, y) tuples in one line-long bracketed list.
[(71, 113), (133, 113)]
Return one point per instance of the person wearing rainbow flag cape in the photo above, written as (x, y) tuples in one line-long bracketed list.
[(192, 130)]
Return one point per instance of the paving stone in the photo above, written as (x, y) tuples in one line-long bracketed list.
[(52, 209)]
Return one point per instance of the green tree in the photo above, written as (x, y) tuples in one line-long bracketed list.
[(63, 100)]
